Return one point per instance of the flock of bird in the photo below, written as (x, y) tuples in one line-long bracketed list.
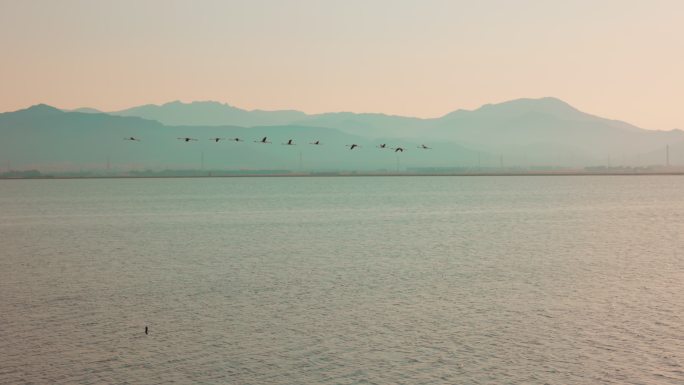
[(290, 142)]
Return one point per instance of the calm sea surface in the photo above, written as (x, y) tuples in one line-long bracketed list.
[(360, 280)]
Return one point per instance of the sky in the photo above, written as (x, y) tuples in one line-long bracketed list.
[(620, 59)]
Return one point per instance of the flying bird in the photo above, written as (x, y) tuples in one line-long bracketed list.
[(424, 147), (352, 146), (316, 143), (289, 143), (263, 140), (186, 139), (132, 139), (216, 139), (236, 140), (384, 145), (399, 149)]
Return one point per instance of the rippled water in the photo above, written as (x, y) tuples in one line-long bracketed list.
[(413, 280)]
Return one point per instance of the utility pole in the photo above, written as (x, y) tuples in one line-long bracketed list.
[(667, 155)]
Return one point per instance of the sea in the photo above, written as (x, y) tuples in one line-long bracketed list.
[(343, 280)]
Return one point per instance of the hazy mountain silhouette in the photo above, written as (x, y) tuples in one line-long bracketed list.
[(210, 114), (518, 129), (518, 133), (46, 138), (548, 122)]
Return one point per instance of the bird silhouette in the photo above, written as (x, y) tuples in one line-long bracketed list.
[(384, 145), (186, 139), (316, 143), (236, 140), (289, 143), (263, 140), (424, 147), (216, 139), (132, 139), (352, 146), (399, 149)]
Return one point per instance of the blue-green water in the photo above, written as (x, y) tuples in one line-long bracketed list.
[(414, 280)]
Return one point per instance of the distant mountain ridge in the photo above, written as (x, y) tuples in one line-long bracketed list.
[(498, 128), (517, 133), (210, 113), (45, 138)]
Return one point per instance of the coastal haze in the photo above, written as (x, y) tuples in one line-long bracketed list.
[(491, 86), (474, 280), (523, 134)]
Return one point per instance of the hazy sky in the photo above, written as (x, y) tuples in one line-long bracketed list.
[(620, 59)]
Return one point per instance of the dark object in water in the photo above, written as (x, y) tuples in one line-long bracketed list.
[(146, 330)]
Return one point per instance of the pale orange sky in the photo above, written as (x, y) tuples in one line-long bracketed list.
[(617, 59)]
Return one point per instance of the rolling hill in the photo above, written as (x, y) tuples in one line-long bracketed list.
[(543, 132)]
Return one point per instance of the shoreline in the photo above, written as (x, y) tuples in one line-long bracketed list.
[(358, 174)]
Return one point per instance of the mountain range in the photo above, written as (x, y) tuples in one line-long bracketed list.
[(544, 132)]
